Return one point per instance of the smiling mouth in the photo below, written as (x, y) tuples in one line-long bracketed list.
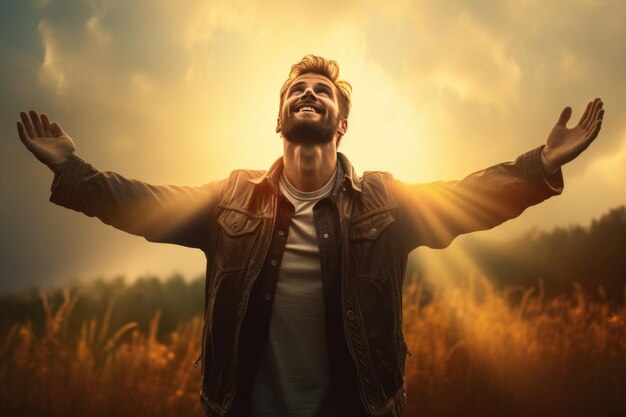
[(307, 109)]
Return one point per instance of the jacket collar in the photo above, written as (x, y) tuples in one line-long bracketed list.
[(272, 175), (350, 175)]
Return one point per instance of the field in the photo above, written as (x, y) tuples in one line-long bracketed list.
[(475, 351)]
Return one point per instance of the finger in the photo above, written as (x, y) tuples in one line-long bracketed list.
[(46, 125), (565, 115), (56, 129), (596, 127), (37, 123), (27, 125), (598, 111), (588, 121), (591, 120), (586, 113), (22, 133)]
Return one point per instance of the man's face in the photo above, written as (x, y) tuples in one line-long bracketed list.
[(310, 111)]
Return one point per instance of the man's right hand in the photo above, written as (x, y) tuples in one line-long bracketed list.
[(48, 142)]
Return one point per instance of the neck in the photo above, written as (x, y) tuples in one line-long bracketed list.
[(309, 167)]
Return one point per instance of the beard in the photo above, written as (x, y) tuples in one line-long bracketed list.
[(310, 132)]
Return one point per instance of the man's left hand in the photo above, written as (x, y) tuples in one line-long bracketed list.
[(565, 144)]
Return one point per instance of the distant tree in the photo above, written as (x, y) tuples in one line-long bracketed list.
[(594, 257), (177, 299)]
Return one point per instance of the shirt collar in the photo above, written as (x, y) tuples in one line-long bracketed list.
[(346, 170)]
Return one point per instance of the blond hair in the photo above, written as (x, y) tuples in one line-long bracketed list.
[(312, 64)]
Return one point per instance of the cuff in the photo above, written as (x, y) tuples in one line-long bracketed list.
[(67, 180), (533, 170)]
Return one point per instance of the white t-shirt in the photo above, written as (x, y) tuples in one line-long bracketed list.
[(293, 378)]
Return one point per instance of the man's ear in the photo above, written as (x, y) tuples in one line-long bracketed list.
[(278, 126), (343, 127), (341, 130)]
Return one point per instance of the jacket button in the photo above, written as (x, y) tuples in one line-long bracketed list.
[(235, 227), (267, 296), (326, 235), (274, 262), (351, 315), (281, 233)]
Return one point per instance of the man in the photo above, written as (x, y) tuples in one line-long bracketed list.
[(305, 261)]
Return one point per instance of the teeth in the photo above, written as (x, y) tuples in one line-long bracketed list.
[(307, 108)]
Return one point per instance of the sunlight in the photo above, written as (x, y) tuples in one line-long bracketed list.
[(387, 131), (492, 333)]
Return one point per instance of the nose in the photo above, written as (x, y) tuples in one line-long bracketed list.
[(308, 94)]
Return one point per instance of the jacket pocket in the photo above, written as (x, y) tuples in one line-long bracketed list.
[(373, 245), (236, 223), (238, 232), (371, 226)]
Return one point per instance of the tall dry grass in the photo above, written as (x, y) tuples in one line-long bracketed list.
[(475, 352), (128, 373)]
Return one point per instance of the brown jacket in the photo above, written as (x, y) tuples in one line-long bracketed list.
[(381, 220)]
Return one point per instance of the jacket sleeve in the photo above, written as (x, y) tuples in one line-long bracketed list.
[(167, 214), (434, 214)]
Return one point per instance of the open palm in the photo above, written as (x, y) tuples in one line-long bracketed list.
[(47, 141), (565, 144)]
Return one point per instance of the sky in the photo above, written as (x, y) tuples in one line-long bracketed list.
[(183, 95)]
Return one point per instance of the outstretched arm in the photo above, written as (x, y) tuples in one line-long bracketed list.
[(434, 214), (169, 214)]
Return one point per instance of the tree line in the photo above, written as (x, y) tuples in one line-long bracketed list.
[(593, 257)]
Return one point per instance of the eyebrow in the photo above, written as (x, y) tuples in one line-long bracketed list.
[(319, 83)]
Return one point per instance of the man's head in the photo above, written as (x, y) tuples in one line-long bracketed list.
[(314, 102)]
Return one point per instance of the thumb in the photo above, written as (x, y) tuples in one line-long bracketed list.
[(56, 129), (565, 115)]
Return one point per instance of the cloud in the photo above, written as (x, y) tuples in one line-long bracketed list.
[(506, 80), (94, 27), (52, 74)]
